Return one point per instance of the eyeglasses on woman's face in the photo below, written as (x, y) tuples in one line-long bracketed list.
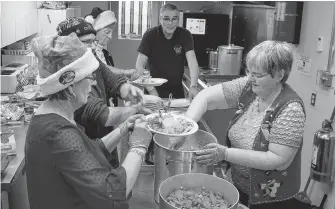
[(255, 75)]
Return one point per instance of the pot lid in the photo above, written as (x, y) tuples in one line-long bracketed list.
[(231, 46)]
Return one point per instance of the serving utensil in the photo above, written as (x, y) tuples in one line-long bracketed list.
[(169, 103)]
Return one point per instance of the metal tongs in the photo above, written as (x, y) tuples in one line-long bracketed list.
[(169, 103), (166, 109), (160, 118)]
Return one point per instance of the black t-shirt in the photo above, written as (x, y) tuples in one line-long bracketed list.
[(166, 57)]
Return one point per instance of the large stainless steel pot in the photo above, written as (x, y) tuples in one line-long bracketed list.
[(229, 60), (173, 162), (193, 180)]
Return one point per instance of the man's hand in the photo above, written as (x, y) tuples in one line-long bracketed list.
[(131, 93), (193, 92)]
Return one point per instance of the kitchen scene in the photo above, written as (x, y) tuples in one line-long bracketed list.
[(167, 104)]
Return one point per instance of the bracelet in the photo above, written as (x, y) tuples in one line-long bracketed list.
[(139, 152)]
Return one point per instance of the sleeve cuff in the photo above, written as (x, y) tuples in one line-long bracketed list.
[(103, 148)]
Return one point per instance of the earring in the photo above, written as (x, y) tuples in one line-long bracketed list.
[(74, 96)]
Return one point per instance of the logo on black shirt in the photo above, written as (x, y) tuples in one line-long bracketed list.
[(177, 49)]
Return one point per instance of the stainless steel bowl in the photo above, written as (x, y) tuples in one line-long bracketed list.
[(191, 180)]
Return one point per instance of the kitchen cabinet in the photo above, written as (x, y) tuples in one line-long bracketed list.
[(48, 19), (18, 21)]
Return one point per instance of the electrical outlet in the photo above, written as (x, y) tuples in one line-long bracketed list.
[(313, 99)]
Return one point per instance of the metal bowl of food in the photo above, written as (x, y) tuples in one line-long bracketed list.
[(197, 190)]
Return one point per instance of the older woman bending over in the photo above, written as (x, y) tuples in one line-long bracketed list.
[(65, 169)]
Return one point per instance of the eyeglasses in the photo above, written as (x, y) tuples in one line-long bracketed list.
[(92, 78), (254, 75), (88, 42), (167, 20)]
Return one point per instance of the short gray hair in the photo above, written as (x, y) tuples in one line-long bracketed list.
[(61, 95), (169, 7), (271, 57)]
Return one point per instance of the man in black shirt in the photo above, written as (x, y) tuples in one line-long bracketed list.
[(164, 48)]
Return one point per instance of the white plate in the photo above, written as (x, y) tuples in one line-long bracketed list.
[(180, 103), (191, 131), (153, 82)]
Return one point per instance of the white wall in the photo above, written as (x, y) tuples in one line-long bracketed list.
[(317, 21)]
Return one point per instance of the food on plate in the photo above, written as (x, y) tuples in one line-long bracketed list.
[(170, 124), (146, 80), (197, 198)]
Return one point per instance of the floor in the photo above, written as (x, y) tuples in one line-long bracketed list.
[(143, 191)]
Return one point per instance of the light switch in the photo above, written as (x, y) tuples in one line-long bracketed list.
[(319, 45)]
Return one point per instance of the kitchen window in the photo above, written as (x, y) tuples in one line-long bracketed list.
[(134, 19)]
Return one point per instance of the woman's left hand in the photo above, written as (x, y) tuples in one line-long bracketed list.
[(129, 124), (211, 154)]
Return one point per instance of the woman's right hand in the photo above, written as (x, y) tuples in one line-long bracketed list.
[(141, 136)]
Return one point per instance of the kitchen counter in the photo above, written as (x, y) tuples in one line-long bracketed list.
[(16, 165), (208, 77)]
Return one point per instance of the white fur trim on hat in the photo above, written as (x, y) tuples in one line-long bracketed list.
[(104, 19), (72, 73)]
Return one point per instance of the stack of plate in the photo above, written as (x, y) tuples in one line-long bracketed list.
[(154, 103)]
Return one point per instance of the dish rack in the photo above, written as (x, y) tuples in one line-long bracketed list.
[(16, 52)]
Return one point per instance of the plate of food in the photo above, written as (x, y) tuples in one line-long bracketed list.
[(171, 124), (148, 81)]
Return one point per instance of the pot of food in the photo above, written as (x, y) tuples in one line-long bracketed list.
[(170, 162), (197, 190), (229, 60)]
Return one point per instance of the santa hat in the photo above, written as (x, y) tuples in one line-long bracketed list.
[(62, 61), (102, 20), (77, 25)]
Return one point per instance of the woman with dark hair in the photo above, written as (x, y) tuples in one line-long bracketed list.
[(96, 116)]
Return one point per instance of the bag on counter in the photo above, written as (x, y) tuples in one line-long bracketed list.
[(8, 144), (55, 5), (11, 111)]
